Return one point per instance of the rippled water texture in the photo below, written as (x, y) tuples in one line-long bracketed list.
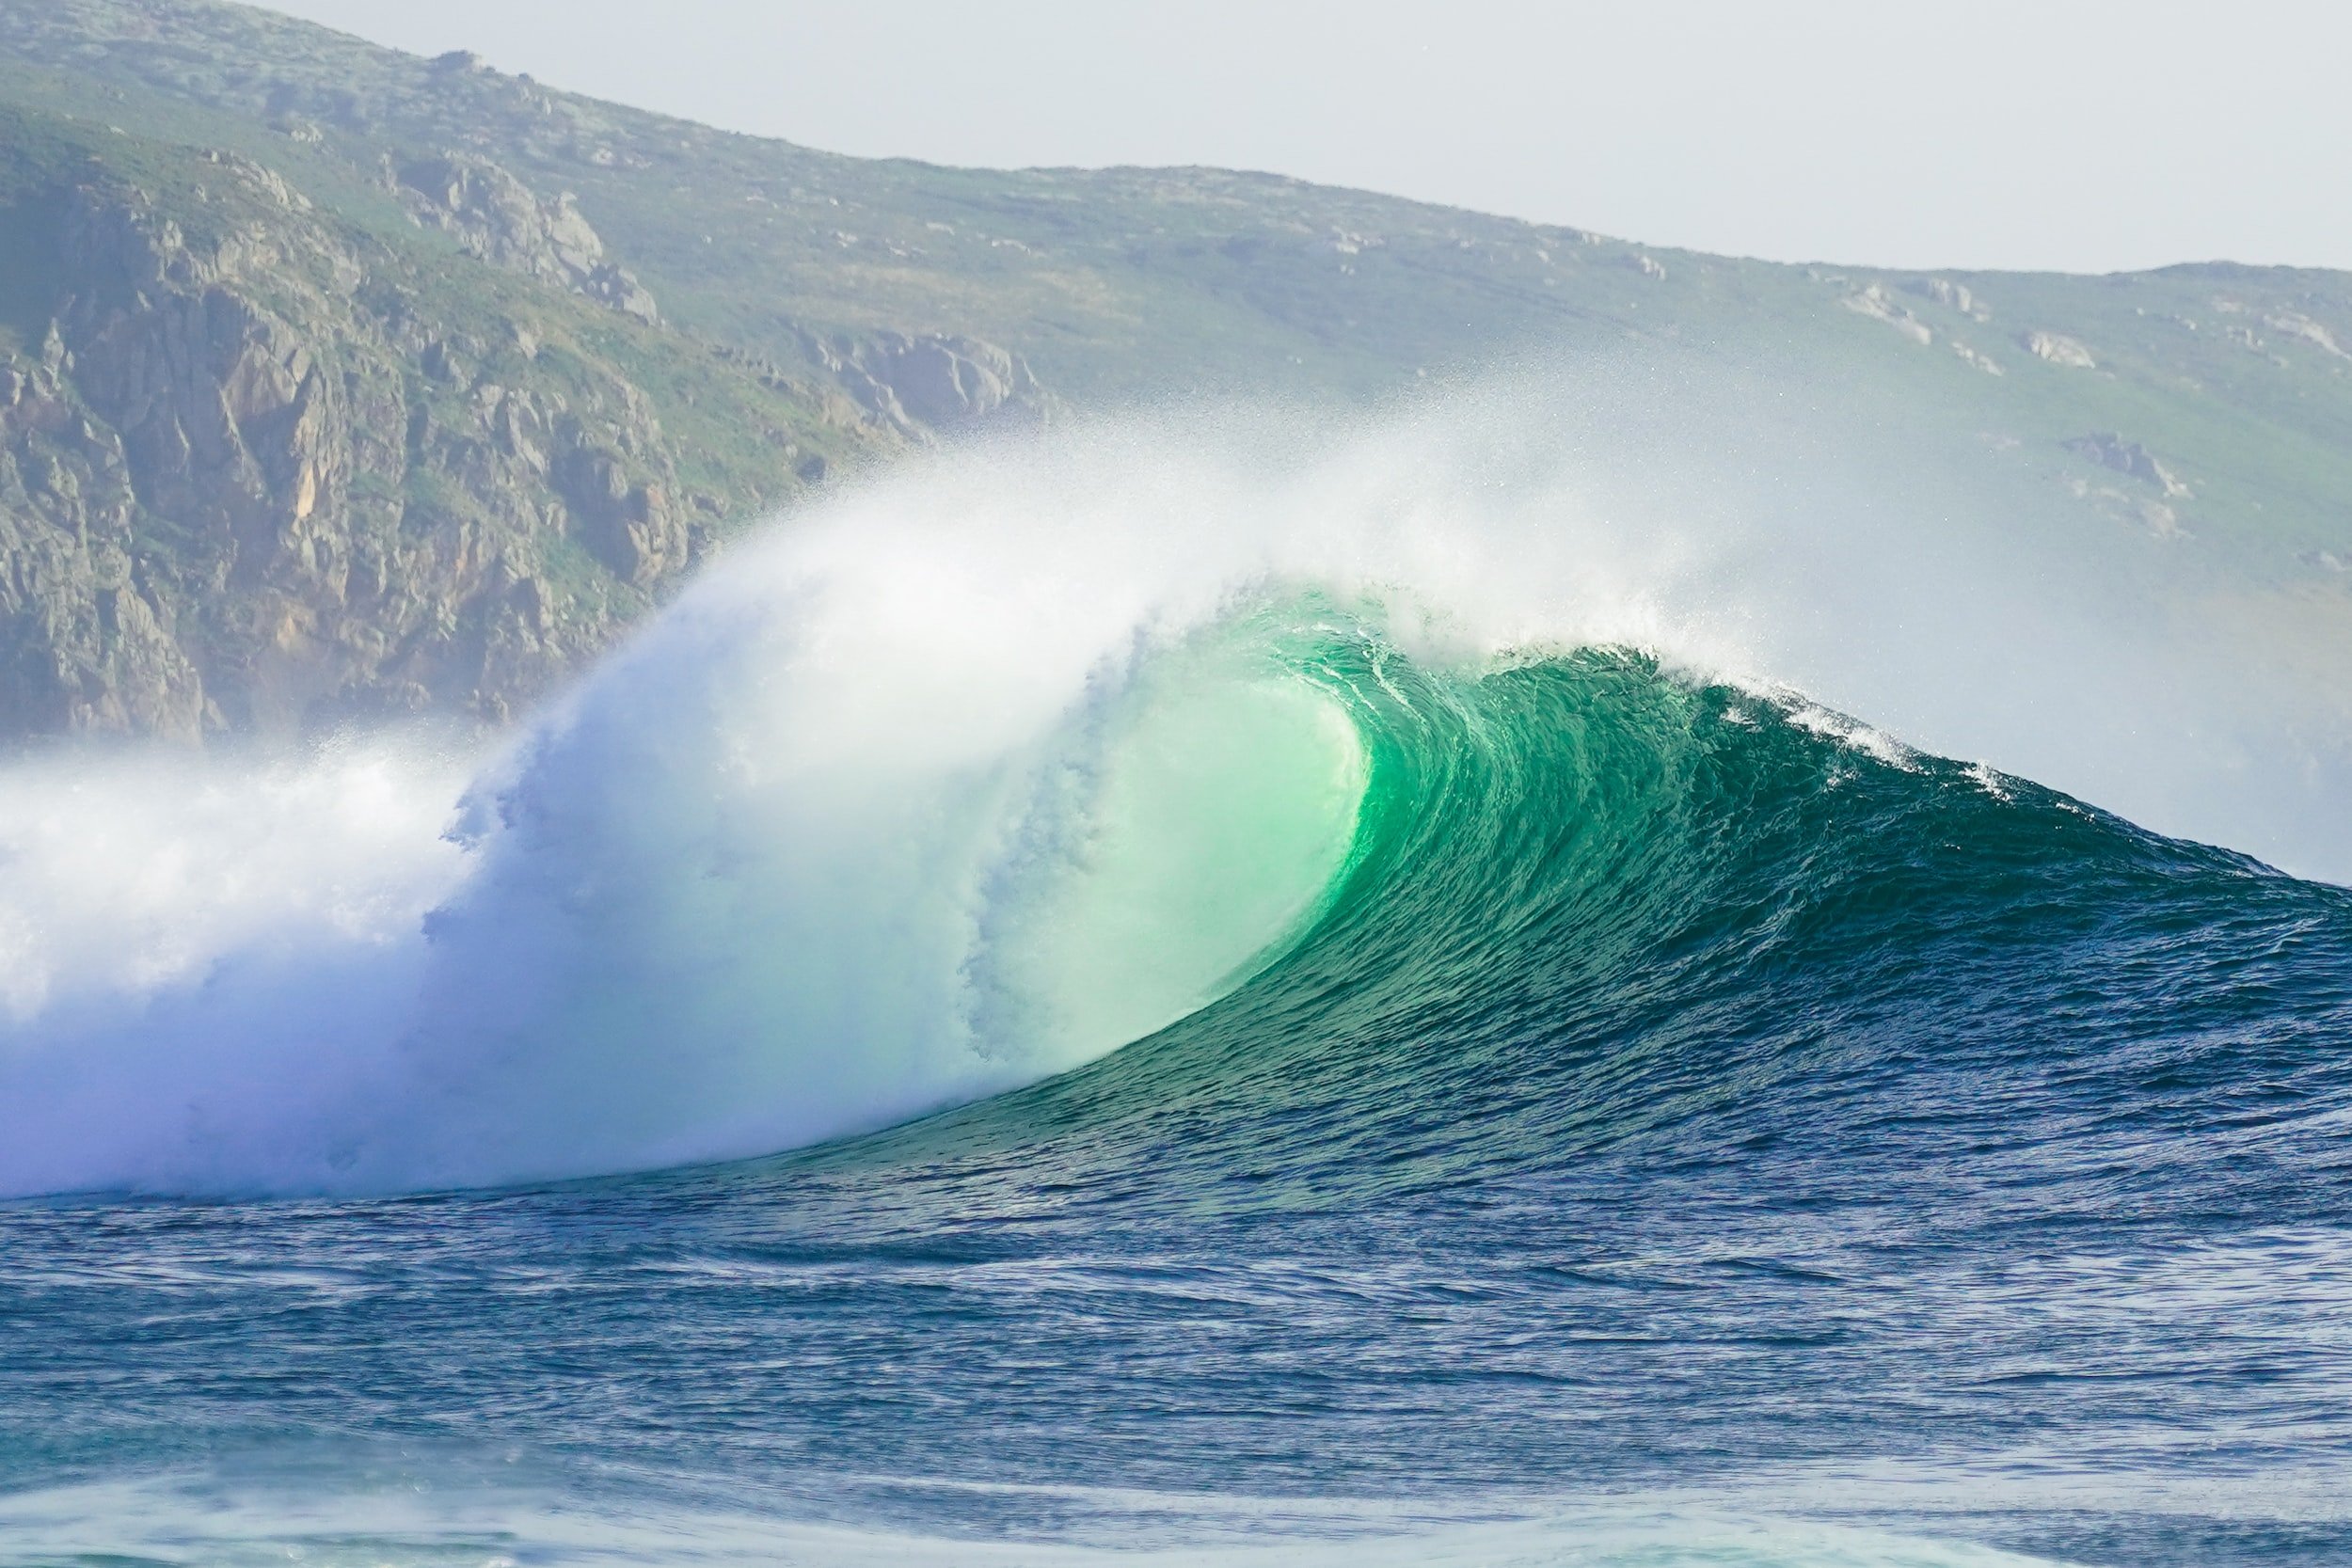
[(1092, 1007), (1684, 1114)]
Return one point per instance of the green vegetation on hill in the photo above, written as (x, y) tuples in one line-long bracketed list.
[(575, 342)]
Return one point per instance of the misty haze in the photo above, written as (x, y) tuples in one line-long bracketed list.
[(1042, 785)]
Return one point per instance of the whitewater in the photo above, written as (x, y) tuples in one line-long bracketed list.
[(1536, 979)]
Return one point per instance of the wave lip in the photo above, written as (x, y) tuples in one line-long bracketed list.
[(1002, 765), (789, 866)]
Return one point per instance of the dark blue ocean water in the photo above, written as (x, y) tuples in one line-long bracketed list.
[(1685, 1137)]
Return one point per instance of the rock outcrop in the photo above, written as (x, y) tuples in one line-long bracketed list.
[(1977, 358), (2058, 349), (1952, 297), (2294, 323), (499, 219), (1876, 303), (87, 639), (625, 521), (420, 458), (268, 475), (2111, 450), (935, 382)]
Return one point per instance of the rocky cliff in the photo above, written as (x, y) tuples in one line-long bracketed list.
[(338, 381), (500, 220), (251, 479), (264, 468)]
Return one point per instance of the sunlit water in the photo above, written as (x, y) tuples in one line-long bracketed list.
[(1594, 1104)]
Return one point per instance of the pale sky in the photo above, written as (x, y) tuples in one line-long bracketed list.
[(2087, 137)]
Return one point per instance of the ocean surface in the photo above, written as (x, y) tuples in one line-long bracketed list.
[(926, 1058)]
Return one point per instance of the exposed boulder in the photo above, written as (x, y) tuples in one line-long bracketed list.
[(1880, 306), (502, 220), (2058, 349), (1977, 358), (936, 382), (1952, 297), (2111, 450), (2294, 323), (625, 523)]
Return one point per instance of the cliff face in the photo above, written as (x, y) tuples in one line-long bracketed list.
[(88, 636), (499, 219), (250, 480), (298, 428), (335, 381), (263, 468)]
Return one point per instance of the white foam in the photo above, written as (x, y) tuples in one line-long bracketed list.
[(753, 881), (478, 1525)]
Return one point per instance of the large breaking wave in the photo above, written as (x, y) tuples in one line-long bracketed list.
[(1000, 764)]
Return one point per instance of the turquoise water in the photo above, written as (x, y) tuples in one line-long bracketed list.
[(1590, 1115)]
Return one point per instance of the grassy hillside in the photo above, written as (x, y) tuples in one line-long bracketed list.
[(805, 306)]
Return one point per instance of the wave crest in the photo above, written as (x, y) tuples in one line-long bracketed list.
[(997, 765)]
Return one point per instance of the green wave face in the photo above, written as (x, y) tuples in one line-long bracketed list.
[(1178, 839), (1398, 916), (1589, 900), (1551, 1077)]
